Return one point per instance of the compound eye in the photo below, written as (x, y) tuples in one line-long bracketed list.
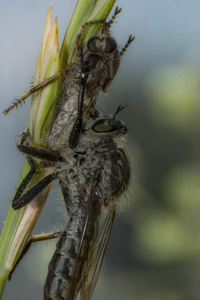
[(106, 125), (92, 45), (111, 45)]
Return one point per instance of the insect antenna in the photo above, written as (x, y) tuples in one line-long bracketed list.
[(120, 108)]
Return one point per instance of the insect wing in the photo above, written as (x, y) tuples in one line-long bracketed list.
[(93, 243), (63, 112), (93, 264), (75, 285), (60, 109)]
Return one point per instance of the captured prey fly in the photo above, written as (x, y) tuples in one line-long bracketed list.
[(74, 104), (92, 177)]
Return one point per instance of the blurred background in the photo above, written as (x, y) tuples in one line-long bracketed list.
[(154, 249)]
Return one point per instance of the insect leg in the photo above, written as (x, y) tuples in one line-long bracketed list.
[(37, 152), (44, 237), (86, 24), (35, 239), (116, 12), (78, 38), (130, 40), (35, 89), (75, 132), (43, 154), (26, 180), (20, 200), (93, 114)]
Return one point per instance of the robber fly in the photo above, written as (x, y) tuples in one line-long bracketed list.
[(93, 172), (92, 177)]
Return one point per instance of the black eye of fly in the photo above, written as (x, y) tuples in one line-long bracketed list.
[(111, 45), (106, 125), (92, 44)]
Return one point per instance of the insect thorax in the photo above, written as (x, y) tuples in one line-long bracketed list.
[(102, 169)]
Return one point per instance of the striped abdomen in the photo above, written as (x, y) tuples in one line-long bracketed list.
[(65, 264)]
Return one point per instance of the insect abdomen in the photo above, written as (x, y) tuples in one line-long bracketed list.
[(64, 262)]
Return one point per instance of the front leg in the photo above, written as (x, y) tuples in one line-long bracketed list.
[(21, 199), (37, 152), (76, 130)]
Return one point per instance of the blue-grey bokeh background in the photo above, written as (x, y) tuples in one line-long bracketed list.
[(154, 248)]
